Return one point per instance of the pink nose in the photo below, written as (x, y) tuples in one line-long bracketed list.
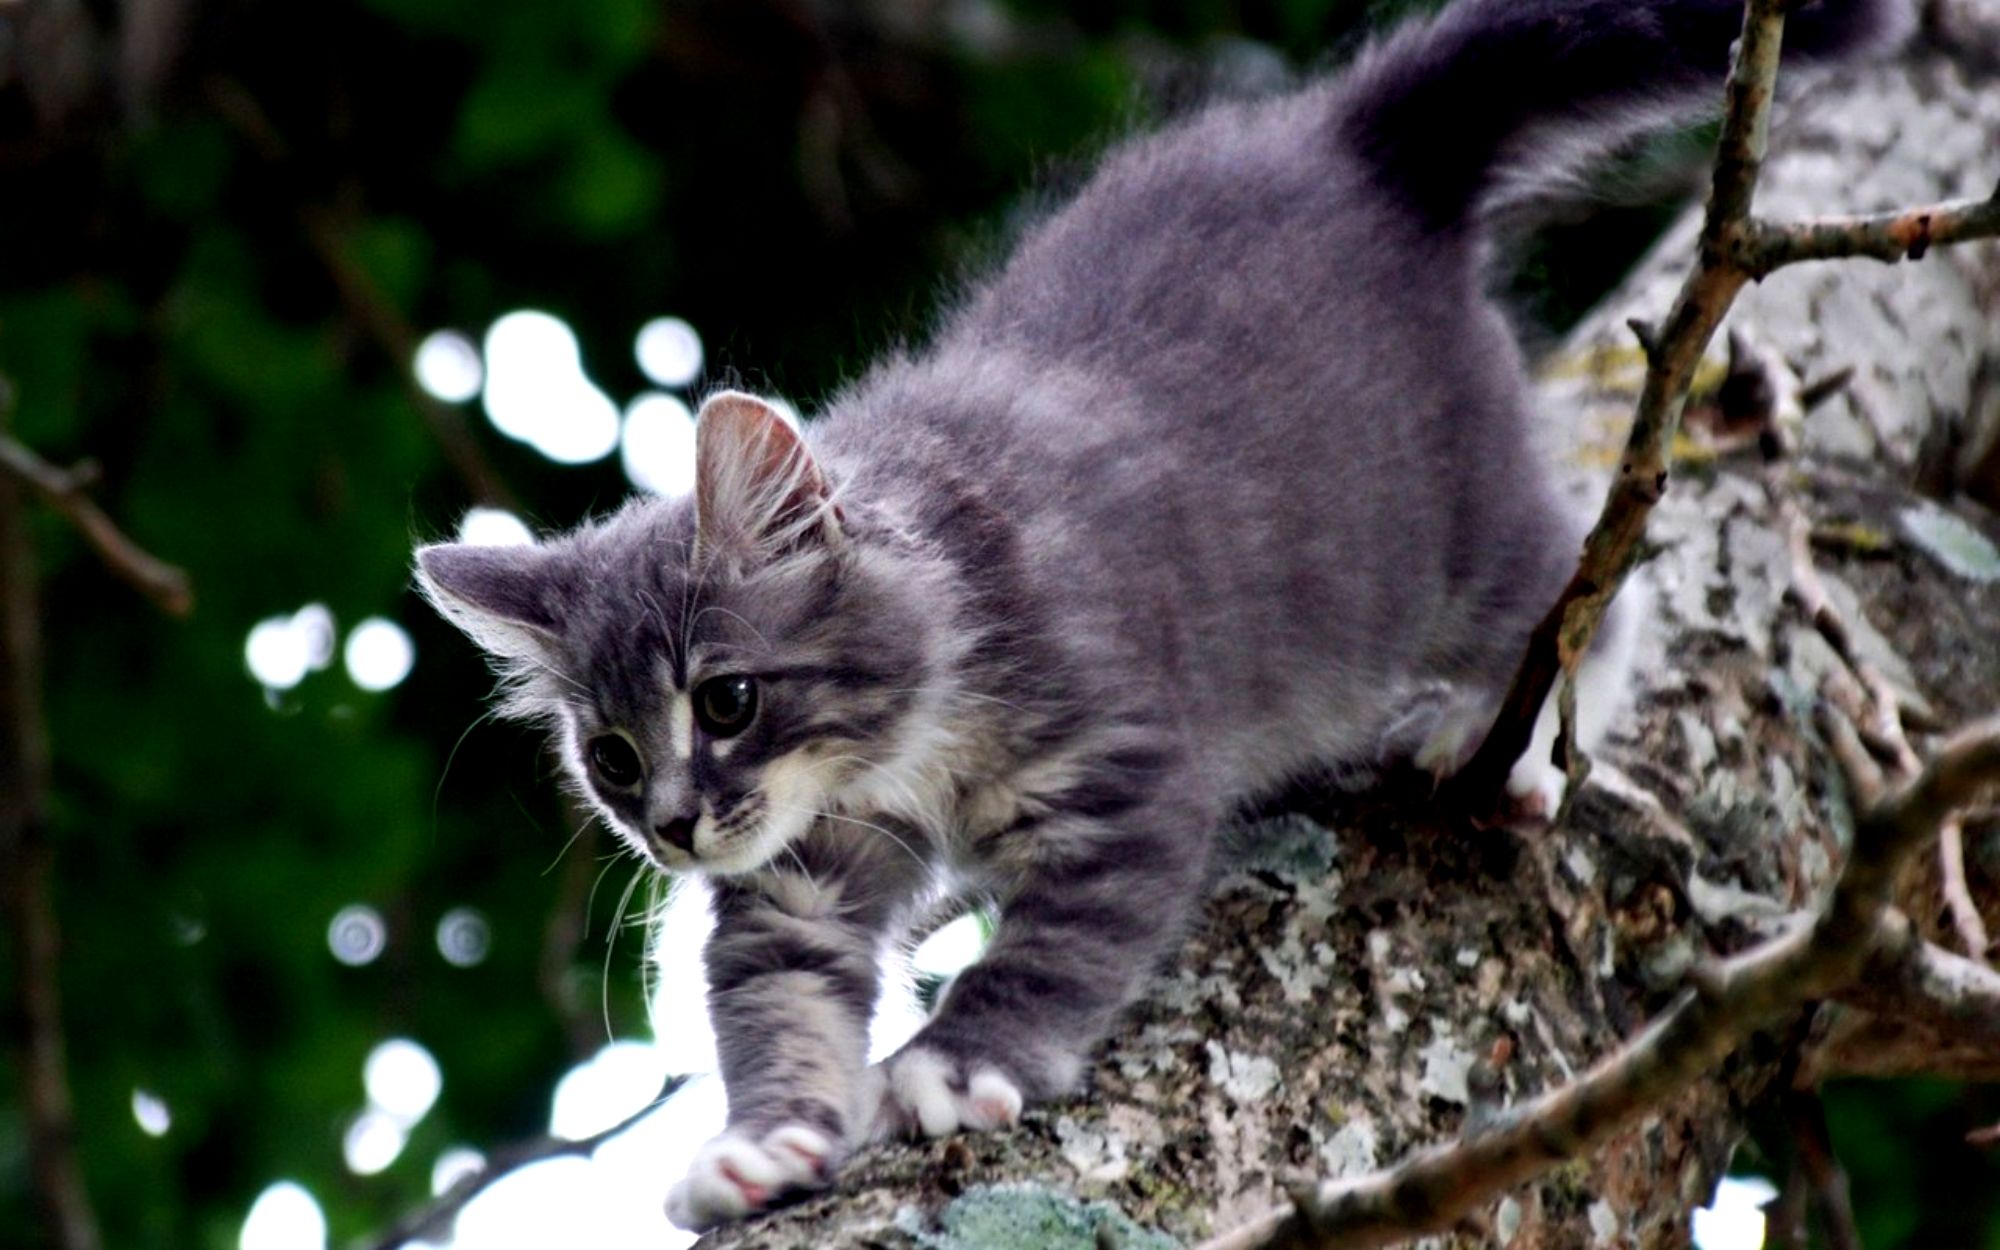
[(678, 832)]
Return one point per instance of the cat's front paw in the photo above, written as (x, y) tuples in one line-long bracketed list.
[(735, 1175), (925, 1091)]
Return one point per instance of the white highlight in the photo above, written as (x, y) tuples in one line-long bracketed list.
[(463, 937), (276, 654), (402, 1079), (669, 351), (952, 948), (679, 1006), (1735, 1219), (372, 1142), (657, 445), (611, 1086), (537, 392), (454, 1165), (447, 367), (284, 1217), (379, 654), (150, 1110), (314, 625), (494, 527), (281, 650), (357, 935)]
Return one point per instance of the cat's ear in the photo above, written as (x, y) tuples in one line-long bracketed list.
[(508, 599), (757, 489)]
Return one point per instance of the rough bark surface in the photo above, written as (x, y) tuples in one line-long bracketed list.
[(1370, 976)]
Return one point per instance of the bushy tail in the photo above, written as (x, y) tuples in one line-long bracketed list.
[(1439, 105)]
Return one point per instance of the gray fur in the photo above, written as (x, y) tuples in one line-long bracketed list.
[(1225, 466)]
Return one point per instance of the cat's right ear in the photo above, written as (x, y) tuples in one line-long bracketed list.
[(509, 599)]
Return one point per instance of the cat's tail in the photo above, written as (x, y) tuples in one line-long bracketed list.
[(1441, 106)]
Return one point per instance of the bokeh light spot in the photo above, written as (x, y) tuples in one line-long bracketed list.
[(669, 351), (536, 390), (357, 935), (276, 654), (150, 1110), (463, 937), (402, 1079), (447, 366), (612, 1085), (657, 446), (372, 1142), (494, 527), (454, 1164), (1735, 1219), (314, 625), (285, 1217), (379, 654)]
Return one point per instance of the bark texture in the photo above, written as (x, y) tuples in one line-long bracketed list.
[(1370, 976)]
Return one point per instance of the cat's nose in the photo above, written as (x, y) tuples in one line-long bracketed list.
[(679, 832)]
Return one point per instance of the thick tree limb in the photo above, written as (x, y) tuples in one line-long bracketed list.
[(1433, 1190), (1733, 248), (63, 490)]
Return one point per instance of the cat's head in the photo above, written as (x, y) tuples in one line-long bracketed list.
[(720, 670)]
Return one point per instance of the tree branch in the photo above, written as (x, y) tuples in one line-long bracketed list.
[(1733, 249), (63, 490), (34, 1023), (433, 1222), (377, 315), (1724, 1004), (1762, 247)]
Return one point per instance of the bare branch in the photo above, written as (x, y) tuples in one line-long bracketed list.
[(1958, 900), (34, 1026), (433, 1221), (1762, 247), (63, 490), (331, 241), (1672, 351)]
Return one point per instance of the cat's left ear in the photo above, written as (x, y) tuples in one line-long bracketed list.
[(510, 600), (757, 489)]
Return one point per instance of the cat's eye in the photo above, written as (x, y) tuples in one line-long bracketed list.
[(725, 706), (615, 760)]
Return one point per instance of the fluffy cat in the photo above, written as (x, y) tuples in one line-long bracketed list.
[(1224, 468)]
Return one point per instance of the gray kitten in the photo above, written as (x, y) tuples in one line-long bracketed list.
[(1221, 470)]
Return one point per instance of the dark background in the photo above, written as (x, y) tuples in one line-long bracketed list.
[(224, 229)]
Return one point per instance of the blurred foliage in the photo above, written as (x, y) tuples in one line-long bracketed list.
[(802, 181)]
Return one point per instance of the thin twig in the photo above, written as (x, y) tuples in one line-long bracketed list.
[(1958, 901), (63, 490), (33, 1020), (364, 300), (434, 1220), (1844, 941), (1805, 1116), (1762, 247), (1672, 351)]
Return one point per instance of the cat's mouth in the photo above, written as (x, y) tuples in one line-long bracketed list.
[(736, 841)]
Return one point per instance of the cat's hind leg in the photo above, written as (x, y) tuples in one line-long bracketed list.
[(1536, 786)]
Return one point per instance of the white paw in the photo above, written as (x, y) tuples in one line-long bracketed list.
[(920, 1095), (1536, 787), (733, 1176)]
